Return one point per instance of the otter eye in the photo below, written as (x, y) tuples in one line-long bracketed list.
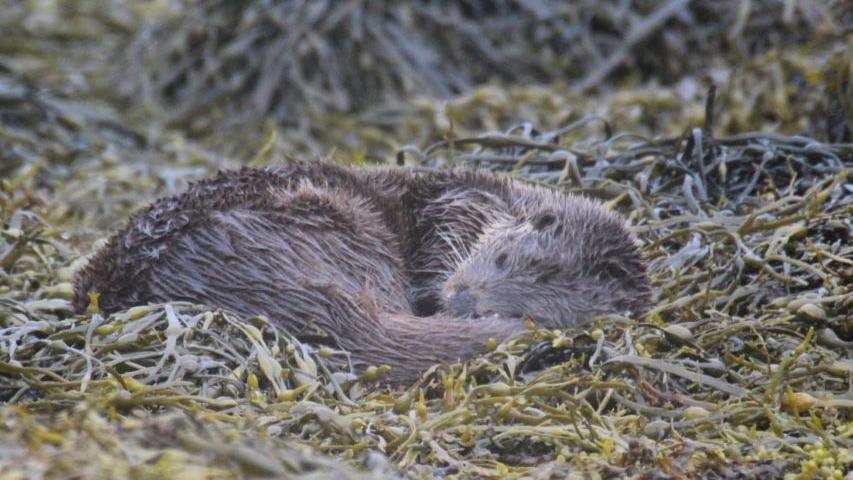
[(543, 220), (500, 260)]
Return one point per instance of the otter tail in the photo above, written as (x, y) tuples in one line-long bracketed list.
[(410, 344)]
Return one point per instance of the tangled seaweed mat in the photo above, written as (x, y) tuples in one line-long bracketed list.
[(289, 59), (742, 368)]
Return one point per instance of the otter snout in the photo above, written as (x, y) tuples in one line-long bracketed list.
[(462, 302)]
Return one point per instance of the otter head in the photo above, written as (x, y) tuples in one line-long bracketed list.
[(558, 260)]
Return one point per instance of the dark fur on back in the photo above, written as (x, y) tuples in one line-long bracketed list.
[(360, 253)]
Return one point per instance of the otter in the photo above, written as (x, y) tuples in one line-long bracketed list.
[(401, 268)]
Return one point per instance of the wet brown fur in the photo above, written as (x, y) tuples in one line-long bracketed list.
[(361, 253)]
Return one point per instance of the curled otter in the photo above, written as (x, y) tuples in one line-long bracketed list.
[(400, 268)]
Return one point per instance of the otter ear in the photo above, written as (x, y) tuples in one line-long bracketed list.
[(542, 220)]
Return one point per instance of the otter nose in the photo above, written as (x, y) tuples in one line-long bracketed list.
[(462, 302)]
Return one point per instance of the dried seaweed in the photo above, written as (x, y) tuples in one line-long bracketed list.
[(741, 367), (741, 199), (286, 58), (39, 128), (172, 445)]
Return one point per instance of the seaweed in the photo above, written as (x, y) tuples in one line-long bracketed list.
[(722, 134), (284, 58), (741, 367)]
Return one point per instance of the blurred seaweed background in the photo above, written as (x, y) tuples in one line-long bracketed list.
[(722, 130)]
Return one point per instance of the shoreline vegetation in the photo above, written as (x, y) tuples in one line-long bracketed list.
[(723, 131)]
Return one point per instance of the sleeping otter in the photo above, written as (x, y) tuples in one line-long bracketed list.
[(401, 268)]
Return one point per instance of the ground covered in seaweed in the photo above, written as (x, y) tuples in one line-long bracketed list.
[(723, 134)]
